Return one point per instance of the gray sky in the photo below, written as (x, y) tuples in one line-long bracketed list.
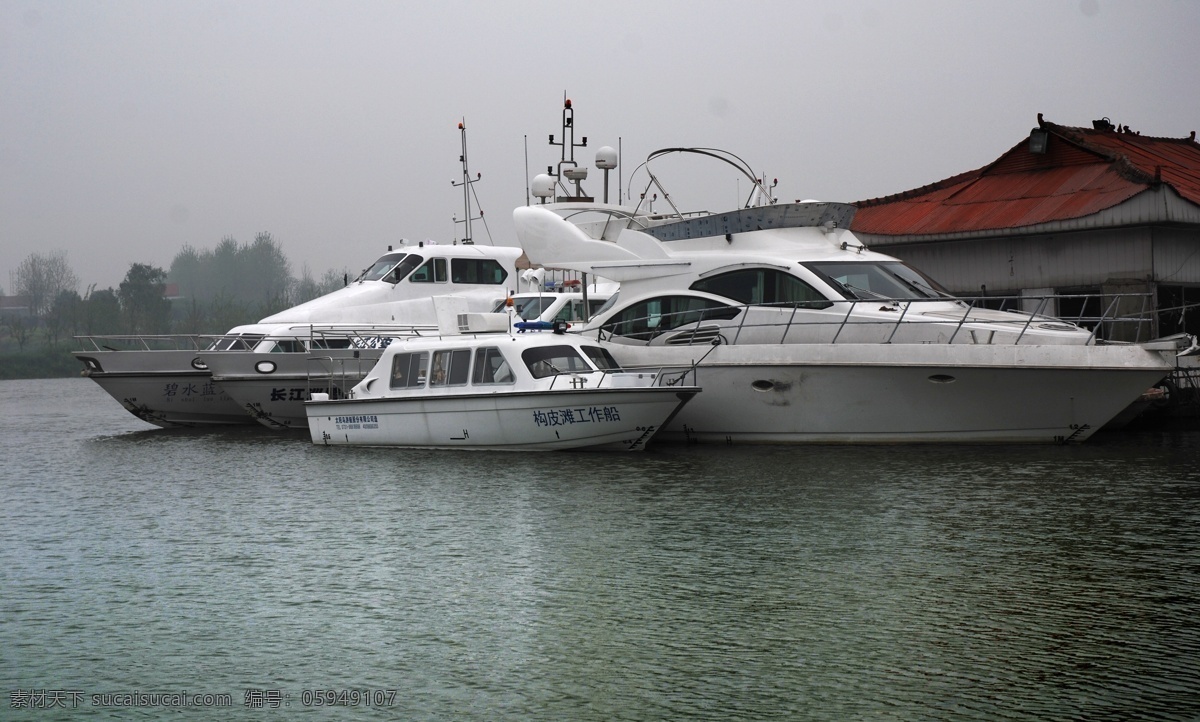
[(131, 128)]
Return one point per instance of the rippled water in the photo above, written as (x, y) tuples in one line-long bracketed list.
[(709, 583)]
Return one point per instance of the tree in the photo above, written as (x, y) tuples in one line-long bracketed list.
[(20, 330), (272, 273), (65, 315), (255, 275), (102, 313), (41, 277), (145, 308)]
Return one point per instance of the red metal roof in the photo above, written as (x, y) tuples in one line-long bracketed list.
[(1083, 171)]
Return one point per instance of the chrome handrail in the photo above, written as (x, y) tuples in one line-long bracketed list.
[(1020, 324)]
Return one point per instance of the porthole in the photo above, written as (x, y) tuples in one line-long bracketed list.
[(265, 367), (199, 365), (762, 385)]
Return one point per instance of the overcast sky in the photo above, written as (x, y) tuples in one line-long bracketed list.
[(129, 129)]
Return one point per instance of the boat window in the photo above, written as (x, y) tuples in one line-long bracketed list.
[(434, 271), (763, 287), (529, 308), (403, 268), (596, 305), (612, 301), (245, 342), (545, 361), (921, 282), (331, 343), (874, 280), (485, 271), (289, 345), (572, 311), (649, 318), (380, 268), (491, 367), (409, 369), (450, 368), (601, 358)]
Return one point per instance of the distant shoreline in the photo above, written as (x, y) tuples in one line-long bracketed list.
[(39, 363)]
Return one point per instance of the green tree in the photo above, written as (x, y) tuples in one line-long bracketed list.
[(64, 316), (102, 313), (256, 275), (272, 273), (143, 304)]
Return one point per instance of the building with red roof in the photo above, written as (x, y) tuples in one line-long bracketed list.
[(1089, 213)]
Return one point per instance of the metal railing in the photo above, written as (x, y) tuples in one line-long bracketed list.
[(143, 342), (312, 335), (662, 376), (1121, 318)]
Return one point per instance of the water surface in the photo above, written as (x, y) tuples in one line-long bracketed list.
[(686, 583)]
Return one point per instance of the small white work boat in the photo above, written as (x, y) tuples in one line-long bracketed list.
[(500, 390)]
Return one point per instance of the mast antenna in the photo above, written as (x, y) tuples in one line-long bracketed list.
[(466, 183)]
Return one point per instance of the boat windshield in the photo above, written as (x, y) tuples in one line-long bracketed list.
[(545, 361), (872, 280), (528, 308), (602, 358), (380, 268), (612, 301)]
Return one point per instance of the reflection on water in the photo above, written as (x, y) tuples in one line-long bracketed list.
[(713, 583)]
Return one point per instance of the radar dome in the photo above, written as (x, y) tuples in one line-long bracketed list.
[(606, 158), (542, 186)]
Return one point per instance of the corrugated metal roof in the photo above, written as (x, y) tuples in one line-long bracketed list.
[(1083, 171)]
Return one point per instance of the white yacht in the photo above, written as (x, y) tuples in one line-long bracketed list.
[(800, 334), (499, 390), (168, 381)]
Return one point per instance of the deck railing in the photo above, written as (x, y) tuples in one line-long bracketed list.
[(313, 335), (1120, 318)]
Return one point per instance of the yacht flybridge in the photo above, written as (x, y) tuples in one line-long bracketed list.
[(800, 334)]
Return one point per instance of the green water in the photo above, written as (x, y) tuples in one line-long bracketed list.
[(258, 571)]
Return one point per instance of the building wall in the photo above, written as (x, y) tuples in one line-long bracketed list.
[(1056, 260), (1177, 256)]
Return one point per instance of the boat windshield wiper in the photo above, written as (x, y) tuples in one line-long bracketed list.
[(858, 292), (921, 292)]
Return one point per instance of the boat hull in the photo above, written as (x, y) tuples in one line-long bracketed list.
[(601, 419), (272, 388), (170, 389), (878, 393)]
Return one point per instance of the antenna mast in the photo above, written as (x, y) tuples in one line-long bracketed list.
[(567, 167), (466, 182)]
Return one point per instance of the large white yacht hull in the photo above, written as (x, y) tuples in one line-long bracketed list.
[(170, 389), (611, 419), (904, 393)]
